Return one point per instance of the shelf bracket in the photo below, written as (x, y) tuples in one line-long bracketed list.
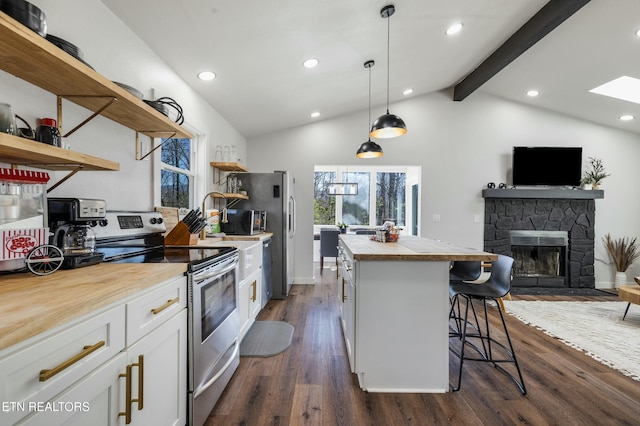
[(139, 148), (111, 99), (64, 179)]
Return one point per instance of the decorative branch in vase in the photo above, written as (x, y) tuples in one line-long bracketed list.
[(593, 177), (623, 251)]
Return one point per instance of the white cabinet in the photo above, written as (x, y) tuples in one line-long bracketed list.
[(95, 400), (33, 374), (347, 296), (249, 300), (158, 376), (124, 365), (157, 356)]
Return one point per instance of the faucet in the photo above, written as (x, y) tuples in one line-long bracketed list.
[(224, 210)]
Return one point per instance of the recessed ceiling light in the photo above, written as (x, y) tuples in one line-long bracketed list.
[(315, 114), (626, 117), (454, 29), (206, 75), (624, 88), (407, 92), (638, 32), (310, 63), (533, 93)]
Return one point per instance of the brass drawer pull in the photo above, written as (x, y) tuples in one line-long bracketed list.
[(128, 391), (344, 296), (47, 374), (254, 284), (156, 311)]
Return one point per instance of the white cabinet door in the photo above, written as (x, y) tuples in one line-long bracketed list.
[(95, 400), (159, 374), (249, 300)]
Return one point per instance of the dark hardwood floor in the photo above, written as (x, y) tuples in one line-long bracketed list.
[(310, 383)]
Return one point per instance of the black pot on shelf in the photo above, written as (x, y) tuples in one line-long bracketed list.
[(27, 14)]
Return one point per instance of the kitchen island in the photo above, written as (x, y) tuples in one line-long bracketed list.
[(394, 301)]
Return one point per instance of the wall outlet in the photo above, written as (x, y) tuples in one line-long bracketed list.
[(436, 218), (476, 218)]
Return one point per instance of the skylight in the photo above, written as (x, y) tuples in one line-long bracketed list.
[(624, 88)]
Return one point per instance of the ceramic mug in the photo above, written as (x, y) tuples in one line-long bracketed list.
[(7, 119)]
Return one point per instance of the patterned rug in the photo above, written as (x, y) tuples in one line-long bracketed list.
[(595, 328)]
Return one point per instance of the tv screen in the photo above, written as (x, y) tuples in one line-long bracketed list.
[(550, 166)]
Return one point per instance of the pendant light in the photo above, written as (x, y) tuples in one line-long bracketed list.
[(388, 125), (369, 149)]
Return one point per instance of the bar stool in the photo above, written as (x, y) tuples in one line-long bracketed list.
[(461, 270), (497, 285)]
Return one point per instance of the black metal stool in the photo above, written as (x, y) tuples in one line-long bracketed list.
[(460, 271), (496, 286)]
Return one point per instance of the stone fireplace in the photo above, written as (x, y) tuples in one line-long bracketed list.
[(556, 248)]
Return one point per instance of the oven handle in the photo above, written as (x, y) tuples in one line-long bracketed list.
[(215, 273), (212, 380)]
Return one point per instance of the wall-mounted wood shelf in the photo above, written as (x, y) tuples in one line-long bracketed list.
[(21, 151), (229, 166), (32, 58), (551, 193)]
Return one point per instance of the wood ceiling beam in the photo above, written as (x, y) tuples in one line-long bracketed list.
[(542, 23)]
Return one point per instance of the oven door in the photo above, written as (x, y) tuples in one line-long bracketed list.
[(214, 327)]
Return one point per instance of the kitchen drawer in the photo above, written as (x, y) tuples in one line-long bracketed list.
[(149, 311), (36, 373)]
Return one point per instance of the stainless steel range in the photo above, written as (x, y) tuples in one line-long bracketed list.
[(212, 279)]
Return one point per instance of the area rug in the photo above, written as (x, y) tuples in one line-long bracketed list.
[(266, 338), (595, 328)]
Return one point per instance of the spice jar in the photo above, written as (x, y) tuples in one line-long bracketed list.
[(47, 132)]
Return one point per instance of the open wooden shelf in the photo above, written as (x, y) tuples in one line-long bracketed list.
[(21, 151), (229, 167), (32, 58)]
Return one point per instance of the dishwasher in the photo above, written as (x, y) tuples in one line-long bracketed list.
[(267, 262)]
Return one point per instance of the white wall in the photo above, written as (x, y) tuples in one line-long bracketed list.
[(116, 52), (461, 146)]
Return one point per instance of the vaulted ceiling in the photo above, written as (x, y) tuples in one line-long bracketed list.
[(257, 48)]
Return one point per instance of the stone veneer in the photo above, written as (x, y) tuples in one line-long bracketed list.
[(576, 216)]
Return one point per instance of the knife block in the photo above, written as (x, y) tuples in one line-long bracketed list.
[(180, 236)]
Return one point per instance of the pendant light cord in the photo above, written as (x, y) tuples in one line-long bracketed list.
[(370, 95), (388, 48)]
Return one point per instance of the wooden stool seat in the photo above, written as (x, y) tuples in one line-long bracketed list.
[(630, 294)]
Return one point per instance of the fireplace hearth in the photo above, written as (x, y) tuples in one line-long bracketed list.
[(557, 247)]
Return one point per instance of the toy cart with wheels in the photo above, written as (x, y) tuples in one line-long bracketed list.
[(28, 249)]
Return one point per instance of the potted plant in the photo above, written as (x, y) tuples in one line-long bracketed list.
[(623, 251), (595, 174), (343, 227)]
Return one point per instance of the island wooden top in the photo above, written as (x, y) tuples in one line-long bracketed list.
[(30, 304), (411, 248)]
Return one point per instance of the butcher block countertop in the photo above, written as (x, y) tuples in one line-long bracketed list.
[(30, 304), (256, 237), (411, 248)]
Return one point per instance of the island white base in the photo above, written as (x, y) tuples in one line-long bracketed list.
[(401, 326)]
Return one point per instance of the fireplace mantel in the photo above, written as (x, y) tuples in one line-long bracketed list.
[(542, 193)]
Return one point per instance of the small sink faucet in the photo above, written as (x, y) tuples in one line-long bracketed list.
[(224, 209)]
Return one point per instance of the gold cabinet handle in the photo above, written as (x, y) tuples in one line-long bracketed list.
[(140, 365), (47, 374), (127, 398), (156, 311), (344, 296), (254, 284), (128, 391)]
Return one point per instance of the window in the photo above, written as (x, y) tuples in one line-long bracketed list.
[(384, 194), (324, 205), (176, 173)]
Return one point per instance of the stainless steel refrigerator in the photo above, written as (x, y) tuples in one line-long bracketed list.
[(274, 192)]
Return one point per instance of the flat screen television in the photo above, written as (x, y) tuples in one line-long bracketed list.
[(548, 166)]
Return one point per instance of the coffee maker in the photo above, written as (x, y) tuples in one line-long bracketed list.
[(71, 221)]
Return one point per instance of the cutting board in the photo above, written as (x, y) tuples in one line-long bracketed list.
[(170, 215)]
